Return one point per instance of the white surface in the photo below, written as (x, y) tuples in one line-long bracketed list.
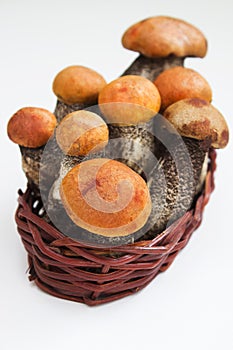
[(188, 307)]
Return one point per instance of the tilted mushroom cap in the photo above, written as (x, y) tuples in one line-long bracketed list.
[(31, 127), (82, 132), (78, 84), (106, 197), (163, 36), (129, 100), (198, 119), (179, 83)]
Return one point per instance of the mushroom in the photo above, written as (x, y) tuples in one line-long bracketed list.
[(108, 200), (129, 104), (79, 135), (31, 128), (162, 42), (198, 119), (76, 88), (194, 126), (179, 83)]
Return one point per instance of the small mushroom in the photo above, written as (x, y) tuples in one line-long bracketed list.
[(76, 88), (31, 128), (79, 135), (199, 126), (179, 83), (129, 104), (108, 200), (162, 42), (198, 119)]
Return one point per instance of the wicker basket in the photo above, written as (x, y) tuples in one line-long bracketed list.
[(68, 269)]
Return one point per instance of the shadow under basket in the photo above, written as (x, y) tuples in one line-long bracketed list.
[(71, 270)]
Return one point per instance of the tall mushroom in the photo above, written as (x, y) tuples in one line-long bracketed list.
[(162, 42), (31, 128), (201, 126), (79, 134), (76, 88), (129, 104)]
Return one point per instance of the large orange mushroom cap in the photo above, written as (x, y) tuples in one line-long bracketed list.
[(129, 100), (162, 36)]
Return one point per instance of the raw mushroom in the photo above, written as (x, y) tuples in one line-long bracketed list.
[(31, 128), (79, 135), (106, 199), (129, 104), (179, 83), (76, 88), (198, 119), (201, 127), (162, 42)]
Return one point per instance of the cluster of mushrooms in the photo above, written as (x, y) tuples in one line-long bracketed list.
[(121, 161)]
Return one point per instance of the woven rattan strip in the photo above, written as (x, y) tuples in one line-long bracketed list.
[(71, 270)]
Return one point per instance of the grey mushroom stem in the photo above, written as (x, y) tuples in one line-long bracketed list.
[(54, 206), (150, 68), (183, 173), (62, 109), (133, 145), (41, 165)]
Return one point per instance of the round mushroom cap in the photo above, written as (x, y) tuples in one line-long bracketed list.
[(179, 83), (129, 100), (198, 119), (78, 84), (163, 36), (106, 197), (82, 132), (31, 127)]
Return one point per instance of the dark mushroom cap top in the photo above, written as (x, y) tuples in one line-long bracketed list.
[(198, 119), (163, 36)]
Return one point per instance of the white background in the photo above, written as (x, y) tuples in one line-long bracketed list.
[(188, 307)]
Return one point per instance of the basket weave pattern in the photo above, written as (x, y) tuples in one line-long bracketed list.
[(71, 270)]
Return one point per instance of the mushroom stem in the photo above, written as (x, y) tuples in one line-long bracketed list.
[(62, 109), (184, 171), (150, 68), (133, 145), (31, 158), (51, 196)]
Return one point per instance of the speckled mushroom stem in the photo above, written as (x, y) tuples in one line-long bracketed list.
[(31, 158), (54, 206), (133, 145), (62, 109), (173, 194), (150, 68)]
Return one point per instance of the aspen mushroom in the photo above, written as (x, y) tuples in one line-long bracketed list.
[(76, 88), (199, 126), (79, 134), (162, 42), (179, 83), (107, 199), (129, 104), (31, 128), (198, 119)]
